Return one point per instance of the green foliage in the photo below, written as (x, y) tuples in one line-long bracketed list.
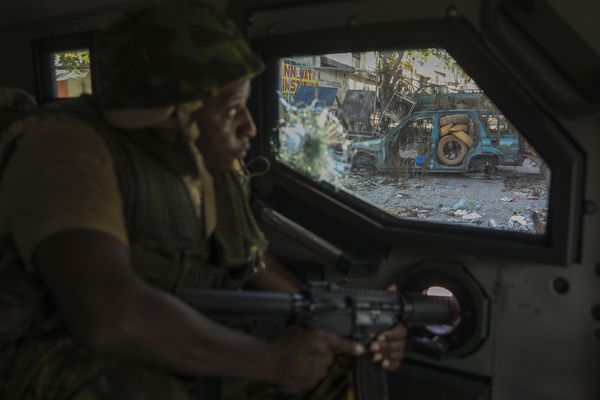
[(390, 69), (390, 79), (393, 77), (72, 60), (423, 55)]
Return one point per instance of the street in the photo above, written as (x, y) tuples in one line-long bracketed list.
[(513, 198)]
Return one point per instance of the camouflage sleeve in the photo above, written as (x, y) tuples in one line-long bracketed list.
[(61, 177)]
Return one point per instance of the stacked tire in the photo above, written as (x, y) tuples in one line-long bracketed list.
[(455, 142)]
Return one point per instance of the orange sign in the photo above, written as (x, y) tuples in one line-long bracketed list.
[(294, 75)]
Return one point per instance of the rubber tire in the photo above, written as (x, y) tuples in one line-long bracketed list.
[(465, 138), (459, 127), (454, 119), (440, 150), (444, 130)]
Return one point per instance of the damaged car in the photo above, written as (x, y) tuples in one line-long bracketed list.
[(461, 140)]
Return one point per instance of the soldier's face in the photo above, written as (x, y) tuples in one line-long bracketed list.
[(226, 127)]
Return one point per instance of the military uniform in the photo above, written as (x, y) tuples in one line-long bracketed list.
[(88, 164), (73, 169), (163, 228)]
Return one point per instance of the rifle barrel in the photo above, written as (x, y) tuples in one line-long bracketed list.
[(420, 310)]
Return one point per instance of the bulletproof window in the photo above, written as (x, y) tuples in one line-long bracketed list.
[(436, 148)]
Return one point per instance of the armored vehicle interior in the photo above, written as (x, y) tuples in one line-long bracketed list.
[(515, 242)]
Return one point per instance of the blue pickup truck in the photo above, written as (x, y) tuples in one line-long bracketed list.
[(457, 140)]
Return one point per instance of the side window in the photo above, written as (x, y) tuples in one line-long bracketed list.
[(72, 75), (65, 66), (457, 138), (496, 123), (427, 145), (410, 147)]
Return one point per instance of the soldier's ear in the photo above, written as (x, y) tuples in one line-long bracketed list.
[(190, 106), (187, 122)]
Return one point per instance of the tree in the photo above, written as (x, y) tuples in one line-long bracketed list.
[(72, 61), (390, 70), (390, 79), (394, 71), (423, 55)]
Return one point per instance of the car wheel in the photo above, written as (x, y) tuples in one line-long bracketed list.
[(485, 164)]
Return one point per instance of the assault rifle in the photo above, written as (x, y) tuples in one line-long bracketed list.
[(353, 313)]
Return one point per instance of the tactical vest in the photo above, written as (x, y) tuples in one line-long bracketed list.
[(167, 243)]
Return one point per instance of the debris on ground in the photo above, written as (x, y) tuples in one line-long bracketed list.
[(444, 209), (413, 212), (532, 194), (538, 224), (515, 203), (471, 216), (518, 219), (459, 213), (459, 204), (463, 214)]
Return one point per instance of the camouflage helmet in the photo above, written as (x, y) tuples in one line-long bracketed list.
[(177, 52)]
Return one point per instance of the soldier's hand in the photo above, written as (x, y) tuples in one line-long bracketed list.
[(388, 347), (301, 357)]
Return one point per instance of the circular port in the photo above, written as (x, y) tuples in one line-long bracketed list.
[(438, 291), (441, 330), (466, 334)]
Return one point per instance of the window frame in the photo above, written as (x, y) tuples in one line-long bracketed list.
[(44, 70), (395, 132), (561, 243)]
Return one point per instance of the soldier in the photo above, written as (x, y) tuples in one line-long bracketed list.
[(110, 203)]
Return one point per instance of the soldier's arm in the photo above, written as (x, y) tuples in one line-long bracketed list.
[(274, 277), (110, 309), (114, 312)]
